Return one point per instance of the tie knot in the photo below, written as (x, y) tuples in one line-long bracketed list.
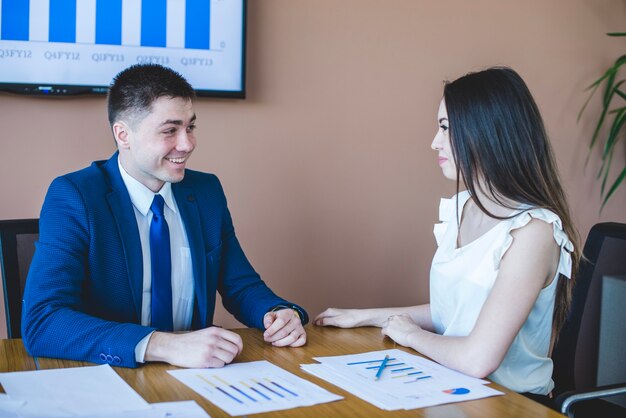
[(157, 206)]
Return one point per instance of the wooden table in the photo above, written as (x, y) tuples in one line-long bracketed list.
[(155, 385)]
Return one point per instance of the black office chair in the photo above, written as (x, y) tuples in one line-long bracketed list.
[(17, 247), (579, 387)]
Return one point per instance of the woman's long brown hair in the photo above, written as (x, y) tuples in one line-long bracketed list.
[(497, 136)]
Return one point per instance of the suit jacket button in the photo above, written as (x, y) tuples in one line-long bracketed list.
[(109, 358), (103, 357), (117, 360)]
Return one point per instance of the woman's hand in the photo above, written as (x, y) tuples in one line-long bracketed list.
[(342, 318), (400, 328)]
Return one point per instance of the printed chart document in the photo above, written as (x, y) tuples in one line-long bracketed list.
[(405, 381), (253, 387), (78, 391)]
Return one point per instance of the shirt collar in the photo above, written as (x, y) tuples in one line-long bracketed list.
[(141, 196)]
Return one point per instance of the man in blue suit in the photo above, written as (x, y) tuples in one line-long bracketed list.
[(133, 248)]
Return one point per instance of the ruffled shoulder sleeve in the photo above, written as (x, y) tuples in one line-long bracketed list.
[(561, 238), (448, 212)]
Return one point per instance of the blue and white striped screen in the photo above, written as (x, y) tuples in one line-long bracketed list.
[(158, 23), (183, 34)]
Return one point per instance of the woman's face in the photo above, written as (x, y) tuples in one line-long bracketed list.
[(441, 143)]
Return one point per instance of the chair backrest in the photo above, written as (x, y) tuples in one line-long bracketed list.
[(17, 246), (576, 353)]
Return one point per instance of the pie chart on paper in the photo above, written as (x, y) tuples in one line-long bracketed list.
[(457, 391)]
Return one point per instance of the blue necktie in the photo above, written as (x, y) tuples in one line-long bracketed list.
[(161, 267)]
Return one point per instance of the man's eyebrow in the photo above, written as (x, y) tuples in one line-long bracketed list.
[(178, 121), (442, 119)]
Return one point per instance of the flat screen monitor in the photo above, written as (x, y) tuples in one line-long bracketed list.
[(73, 47)]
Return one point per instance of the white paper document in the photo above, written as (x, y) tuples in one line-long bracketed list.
[(253, 387), (9, 407), (405, 381), (79, 391), (182, 409)]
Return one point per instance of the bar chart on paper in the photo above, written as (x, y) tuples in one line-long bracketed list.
[(247, 388), (393, 369), (394, 379)]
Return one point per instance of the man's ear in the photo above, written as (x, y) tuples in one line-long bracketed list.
[(121, 133)]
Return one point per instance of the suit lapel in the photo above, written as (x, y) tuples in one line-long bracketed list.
[(189, 213), (126, 222)]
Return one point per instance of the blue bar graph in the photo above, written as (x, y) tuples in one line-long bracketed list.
[(153, 22), (109, 22), (62, 21), (15, 15), (198, 24)]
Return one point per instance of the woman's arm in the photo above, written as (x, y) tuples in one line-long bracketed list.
[(377, 317), (528, 265)]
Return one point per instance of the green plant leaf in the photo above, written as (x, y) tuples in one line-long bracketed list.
[(614, 111), (619, 92), (611, 87), (603, 174), (614, 187), (616, 90), (611, 70), (608, 90), (605, 110), (616, 33), (596, 84), (594, 137), (613, 137), (599, 81), (582, 109)]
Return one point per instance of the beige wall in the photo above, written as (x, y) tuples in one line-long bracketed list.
[(331, 182)]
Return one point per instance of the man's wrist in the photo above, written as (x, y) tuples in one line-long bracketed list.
[(141, 347), (295, 308), (157, 347)]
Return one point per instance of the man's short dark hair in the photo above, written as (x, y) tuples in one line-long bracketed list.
[(135, 89)]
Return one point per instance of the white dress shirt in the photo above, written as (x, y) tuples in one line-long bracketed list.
[(182, 273)]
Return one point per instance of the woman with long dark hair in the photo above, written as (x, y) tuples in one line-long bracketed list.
[(502, 276)]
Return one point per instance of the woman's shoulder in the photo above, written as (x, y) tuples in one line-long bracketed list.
[(535, 229), (539, 223), (541, 228)]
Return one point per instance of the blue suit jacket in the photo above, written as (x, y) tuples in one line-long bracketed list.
[(83, 293)]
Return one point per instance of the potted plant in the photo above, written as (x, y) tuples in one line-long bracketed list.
[(613, 107)]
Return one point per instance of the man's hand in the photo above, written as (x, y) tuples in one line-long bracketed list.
[(284, 328), (209, 347)]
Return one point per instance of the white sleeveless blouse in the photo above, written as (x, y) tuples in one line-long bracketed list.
[(462, 278)]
